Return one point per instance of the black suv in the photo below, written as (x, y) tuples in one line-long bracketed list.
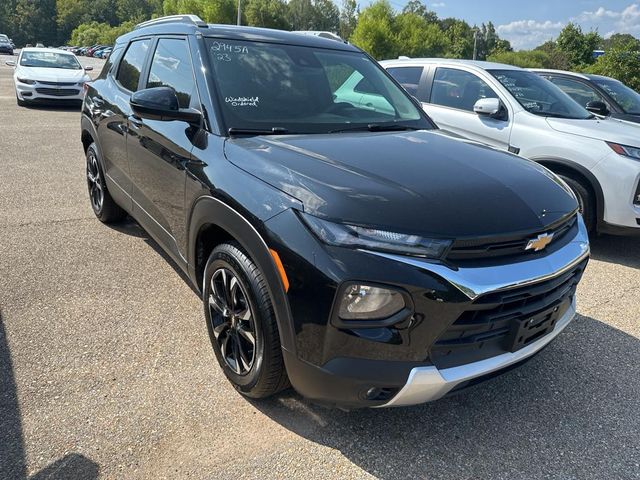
[(341, 243)]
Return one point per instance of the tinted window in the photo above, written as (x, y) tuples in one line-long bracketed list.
[(459, 89), (539, 96), (408, 77), (171, 67), (580, 92), (305, 89), (131, 65), (108, 66), (628, 99)]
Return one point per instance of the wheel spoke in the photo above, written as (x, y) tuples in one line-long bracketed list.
[(245, 314), (220, 329), (246, 360), (223, 347), (233, 292), (236, 353), (248, 336), (215, 304)]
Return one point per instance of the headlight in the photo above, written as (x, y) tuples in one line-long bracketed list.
[(369, 238), (625, 150), (26, 81), (366, 302)]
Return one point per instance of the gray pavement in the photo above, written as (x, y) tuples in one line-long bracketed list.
[(106, 368)]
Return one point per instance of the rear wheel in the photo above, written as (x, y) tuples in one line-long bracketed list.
[(104, 207), (241, 323), (586, 201)]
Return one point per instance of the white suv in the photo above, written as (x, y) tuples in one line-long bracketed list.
[(513, 109)]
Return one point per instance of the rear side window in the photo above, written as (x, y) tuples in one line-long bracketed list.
[(108, 66), (131, 65), (408, 77), (459, 89), (171, 67)]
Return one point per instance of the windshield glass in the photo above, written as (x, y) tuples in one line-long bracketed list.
[(264, 86), (49, 60), (540, 96), (627, 98)]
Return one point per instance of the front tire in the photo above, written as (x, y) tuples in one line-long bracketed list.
[(241, 323), (586, 201), (103, 206)]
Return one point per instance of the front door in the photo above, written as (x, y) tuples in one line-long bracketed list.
[(159, 151), (453, 95)]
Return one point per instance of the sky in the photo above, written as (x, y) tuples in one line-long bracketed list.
[(527, 24)]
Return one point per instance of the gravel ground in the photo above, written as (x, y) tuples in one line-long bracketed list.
[(106, 369)]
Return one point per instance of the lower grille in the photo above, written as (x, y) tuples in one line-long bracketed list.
[(505, 321), (58, 92)]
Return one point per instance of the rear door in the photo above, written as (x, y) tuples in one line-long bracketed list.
[(453, 94), (159, 151)]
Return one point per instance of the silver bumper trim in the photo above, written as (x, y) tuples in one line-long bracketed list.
[(477, 281), (426, 384)]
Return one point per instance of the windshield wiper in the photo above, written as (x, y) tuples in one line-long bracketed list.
[(376, 127), (251, 131)]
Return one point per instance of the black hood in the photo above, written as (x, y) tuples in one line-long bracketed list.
[(413, 182)]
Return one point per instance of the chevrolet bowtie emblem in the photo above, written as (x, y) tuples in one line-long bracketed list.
[(540, 242)]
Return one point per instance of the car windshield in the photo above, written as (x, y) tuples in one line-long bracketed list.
[(627, 98), (540, 96), (49, 60), (295, 89)]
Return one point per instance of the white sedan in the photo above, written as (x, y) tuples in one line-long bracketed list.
[(46, 75)]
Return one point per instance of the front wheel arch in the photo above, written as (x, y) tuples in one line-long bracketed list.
[(213, 221), (581, 174)]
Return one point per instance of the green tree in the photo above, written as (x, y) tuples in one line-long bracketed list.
[(416, 37), (558, 59), (326, 16), (348, 18), (34, 21), (137, 10), (212, 11), (266, 13), (621, 62), (374, 31), (418, 8), (577, 46), (620, 39), (522, 58), (460, 37)]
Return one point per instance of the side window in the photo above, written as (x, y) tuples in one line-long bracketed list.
[(348, 85), (113, 57), (131, 64), (459, 89), (171, 67), (580, 92), (408, 77)]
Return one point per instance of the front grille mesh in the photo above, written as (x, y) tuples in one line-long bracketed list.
[(58, 84), (483, 330)]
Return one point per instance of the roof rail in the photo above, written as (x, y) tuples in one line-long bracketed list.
[(193, 19)]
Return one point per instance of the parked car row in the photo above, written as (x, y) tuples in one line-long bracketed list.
[(96, 51)]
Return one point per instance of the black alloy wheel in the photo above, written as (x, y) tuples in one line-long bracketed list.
[(232, 321)]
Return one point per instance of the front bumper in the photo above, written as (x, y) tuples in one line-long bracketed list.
[(426, 384), (49, 92), (619, 178), (397, 365)]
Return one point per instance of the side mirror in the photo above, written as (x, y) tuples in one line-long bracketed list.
[(10, 63), (88, 68), (598, 108), (161, 103), (488, 106)]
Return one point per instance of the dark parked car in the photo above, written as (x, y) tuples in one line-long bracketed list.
[(358, 253), (5, 47), (598, 94)]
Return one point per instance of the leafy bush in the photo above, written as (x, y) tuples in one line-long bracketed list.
[(523, 58)]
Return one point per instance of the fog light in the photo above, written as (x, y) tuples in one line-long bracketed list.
[(365, 302)]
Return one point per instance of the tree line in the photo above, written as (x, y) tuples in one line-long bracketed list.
[(379, 29)]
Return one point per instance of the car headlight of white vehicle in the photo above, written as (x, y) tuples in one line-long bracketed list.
[(625, 150), (26, 81)]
